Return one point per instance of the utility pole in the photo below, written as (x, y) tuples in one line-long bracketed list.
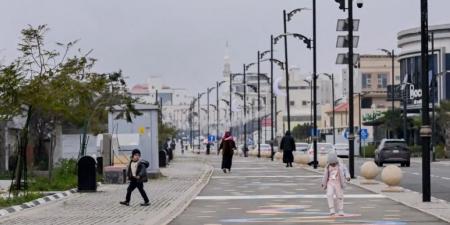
[(288, 102)]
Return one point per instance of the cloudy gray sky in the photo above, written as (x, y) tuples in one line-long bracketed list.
[(183, 41)]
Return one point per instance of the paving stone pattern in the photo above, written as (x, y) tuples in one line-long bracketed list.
[(262, 192), (103, 206)]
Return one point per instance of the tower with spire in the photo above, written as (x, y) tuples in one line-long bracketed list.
[(227, 66)]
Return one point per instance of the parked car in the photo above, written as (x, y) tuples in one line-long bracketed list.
[(301, 147), (341, 149), (322, 149), (393, 151)]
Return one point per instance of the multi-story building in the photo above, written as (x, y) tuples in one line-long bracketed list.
[(371, 80)]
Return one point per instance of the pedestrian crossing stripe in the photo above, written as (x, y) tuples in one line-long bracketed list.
[(255, 197), (242, 177)]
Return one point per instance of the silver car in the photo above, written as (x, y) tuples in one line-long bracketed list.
[(341, 149)]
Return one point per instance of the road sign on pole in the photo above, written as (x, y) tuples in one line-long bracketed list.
[(364, 134)]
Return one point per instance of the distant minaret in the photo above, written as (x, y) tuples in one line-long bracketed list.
[(227, 66)]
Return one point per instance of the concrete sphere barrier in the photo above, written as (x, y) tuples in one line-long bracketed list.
[(301, 158), (392, 176), (278, 156), (323, 160), (369, 170)]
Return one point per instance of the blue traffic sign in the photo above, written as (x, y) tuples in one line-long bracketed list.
[(312, 133), (364, 134), (211, 138), (346, 133)]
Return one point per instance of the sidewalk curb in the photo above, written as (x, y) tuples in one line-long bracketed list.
[(178, 207), (408, 204), (37, 202)]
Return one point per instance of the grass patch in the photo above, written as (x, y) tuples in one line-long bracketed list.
[(64, 178), (368, 151), (18, 200)]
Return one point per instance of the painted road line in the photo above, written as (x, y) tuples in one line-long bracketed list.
[(255, 197), (237, 177), (445, 178)]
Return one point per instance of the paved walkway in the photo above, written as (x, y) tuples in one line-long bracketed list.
[(184, 179), (262, 192)]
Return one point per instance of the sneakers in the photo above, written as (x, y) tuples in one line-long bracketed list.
[(128, 204), (145, 204), (341, 213), (125, 203), (224, 170)]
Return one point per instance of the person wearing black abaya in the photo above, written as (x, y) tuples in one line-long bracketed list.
[(288, 146), (227, 146)]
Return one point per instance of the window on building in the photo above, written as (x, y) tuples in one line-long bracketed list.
[(366, 80), (304, 103), (366, 103), (382, 80), (292, 103)]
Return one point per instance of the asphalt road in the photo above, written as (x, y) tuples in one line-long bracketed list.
[(412, 177), (264, 192)]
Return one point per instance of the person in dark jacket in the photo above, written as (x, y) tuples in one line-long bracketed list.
[(227, 146), (288, 146), (137, 175)]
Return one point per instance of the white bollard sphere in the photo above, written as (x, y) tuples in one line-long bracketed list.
[(369, 170), (304, 159), (278, 156), (391, 175), (323, 161)]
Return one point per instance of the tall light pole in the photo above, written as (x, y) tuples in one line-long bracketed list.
[(425, 130), (310, 102), (392, 55), (208, 90), (218, 112), (199, 119), (288, 102), (331, 77), (244, 81)]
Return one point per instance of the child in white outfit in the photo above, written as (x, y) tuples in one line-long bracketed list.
[(334, 183)]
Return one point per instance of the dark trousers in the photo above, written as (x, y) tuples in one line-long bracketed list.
[(140, 186)]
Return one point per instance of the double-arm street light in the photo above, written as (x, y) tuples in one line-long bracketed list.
[(199, 119), (208, 90), (309, 82), (218, 84), (309, 45)]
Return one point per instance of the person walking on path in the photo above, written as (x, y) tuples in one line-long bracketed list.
[(287, 145), (172, 149), (137, 175), (333, 182), (227, 146), (166, 148)]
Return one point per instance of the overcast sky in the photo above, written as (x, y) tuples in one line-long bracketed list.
[(183, 41)]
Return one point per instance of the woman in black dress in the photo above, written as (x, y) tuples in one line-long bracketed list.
[(288, 146), (227, 146)]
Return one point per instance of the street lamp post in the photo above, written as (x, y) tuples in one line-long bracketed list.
[(244, 81), (208, 90), (259, 105), (288, 102), (218, 111), (331, 77), (425, 130), (311, 103), (392, 55), (199, 119)]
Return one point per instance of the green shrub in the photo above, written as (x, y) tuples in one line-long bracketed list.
[(6, 202), (368, 151), (440, 151), (64, 178), (416, 150)]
